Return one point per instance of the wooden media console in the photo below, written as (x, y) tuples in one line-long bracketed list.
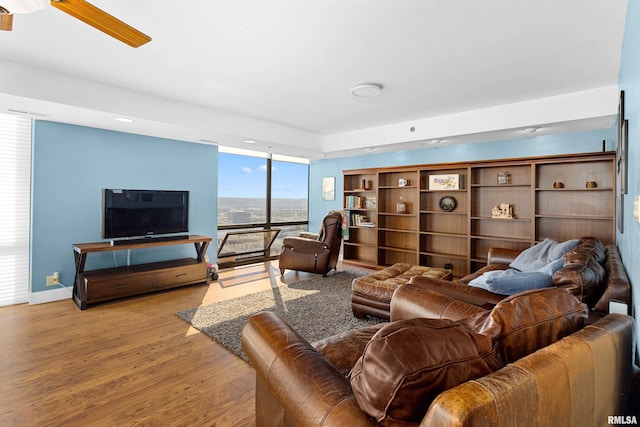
[(117, 282)]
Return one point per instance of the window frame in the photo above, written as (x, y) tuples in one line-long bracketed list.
[(268, 224)]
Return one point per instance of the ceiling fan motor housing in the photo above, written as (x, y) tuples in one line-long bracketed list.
[(23, 6)]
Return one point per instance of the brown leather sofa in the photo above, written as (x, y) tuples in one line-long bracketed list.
[(507, 366), (314, 253), (593, 272)]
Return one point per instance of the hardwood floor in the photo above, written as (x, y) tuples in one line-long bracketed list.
[(128, 362)]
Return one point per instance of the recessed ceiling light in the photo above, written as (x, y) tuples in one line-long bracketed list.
[(124, 120), (436, 141), (249, 141), (371, 149), (530, 130), (367, 90)]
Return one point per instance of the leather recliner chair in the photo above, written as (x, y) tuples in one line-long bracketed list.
[(319, 255)]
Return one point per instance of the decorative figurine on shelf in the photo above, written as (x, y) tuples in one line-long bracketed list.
[(558, 182), (401, 206), (591, 181), (591, 184), (504, 178), (503, 211)]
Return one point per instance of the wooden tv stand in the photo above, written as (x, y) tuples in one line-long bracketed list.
[(111, 283)]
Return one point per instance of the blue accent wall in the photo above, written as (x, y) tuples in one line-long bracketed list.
[(71, 166), (544, 145), (629, 81)]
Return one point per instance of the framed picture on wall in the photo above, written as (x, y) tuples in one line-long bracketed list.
[(621, 163), (329, 188), (621, 150), (621, 156)]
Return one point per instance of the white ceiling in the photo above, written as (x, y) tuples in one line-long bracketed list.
[(280, 72)]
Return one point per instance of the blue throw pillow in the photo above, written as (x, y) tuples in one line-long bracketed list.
[(538, 256), (552, 267), (562, 248), (509, 282)]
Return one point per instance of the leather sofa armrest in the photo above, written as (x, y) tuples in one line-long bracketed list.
[(305, 246), (502, 256), (410, 302), (594, 365), (459, 291), (307, 386)]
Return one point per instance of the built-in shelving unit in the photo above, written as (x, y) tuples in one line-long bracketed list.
[(486, 193), (360, 204), (455, 226), (444, 233), (397, 216)]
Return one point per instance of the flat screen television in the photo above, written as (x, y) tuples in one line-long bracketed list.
[(143, 213)]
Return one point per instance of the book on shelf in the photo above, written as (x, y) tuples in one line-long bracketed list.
[(360, 202), (359, 220)]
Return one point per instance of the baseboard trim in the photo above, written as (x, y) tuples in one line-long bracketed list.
[(57, 294)]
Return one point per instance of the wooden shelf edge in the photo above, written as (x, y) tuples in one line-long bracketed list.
[(500, 185), (358, 244), (439, 233), (587, 217), (361, 263), (444, 213), (397, 230), (574, 189), (459, 190), (484, 218), (391, 248), (444, 255), (504, 238)]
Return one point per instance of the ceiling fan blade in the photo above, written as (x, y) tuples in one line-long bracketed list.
[(6, 22), (98, 18)]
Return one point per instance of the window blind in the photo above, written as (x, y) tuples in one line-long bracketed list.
[(15, 208)]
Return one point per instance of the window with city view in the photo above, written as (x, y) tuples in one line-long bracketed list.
[(247, 202)]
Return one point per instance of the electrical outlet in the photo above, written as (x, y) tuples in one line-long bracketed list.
[(54, 279)]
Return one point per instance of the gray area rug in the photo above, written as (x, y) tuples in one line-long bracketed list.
[(316, 308)]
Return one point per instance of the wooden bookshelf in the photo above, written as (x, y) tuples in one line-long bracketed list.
[(427, 233)]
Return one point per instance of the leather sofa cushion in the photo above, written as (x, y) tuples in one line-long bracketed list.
[(583, 273), (585, 280), (409, 362), (381, 284), (525, 322), (590, 247)]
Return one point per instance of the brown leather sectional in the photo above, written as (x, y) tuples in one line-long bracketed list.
[(523, 360)]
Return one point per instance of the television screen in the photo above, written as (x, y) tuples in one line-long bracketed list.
[(135, 213)]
